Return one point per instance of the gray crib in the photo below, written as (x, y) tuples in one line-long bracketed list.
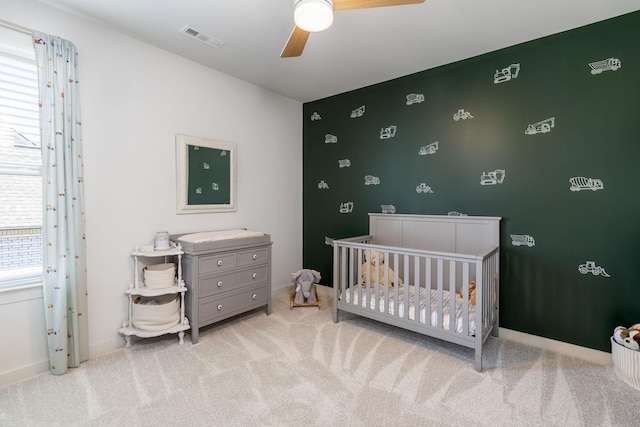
[(431, 261)]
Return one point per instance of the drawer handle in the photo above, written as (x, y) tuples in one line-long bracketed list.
[(220, 283), (254, 296), (255, 257), (254, 275), (219, 262), (219, 306)]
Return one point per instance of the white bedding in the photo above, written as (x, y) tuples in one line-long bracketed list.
[(423, 312), (210, 236)]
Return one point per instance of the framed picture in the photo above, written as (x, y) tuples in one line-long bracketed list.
[(206, 175)]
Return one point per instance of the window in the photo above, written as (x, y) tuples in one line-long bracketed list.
[(20, 168)]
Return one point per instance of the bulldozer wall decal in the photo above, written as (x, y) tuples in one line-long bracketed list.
[(591, 267)]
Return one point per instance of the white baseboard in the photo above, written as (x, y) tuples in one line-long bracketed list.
[(595, 356), (24, 372)]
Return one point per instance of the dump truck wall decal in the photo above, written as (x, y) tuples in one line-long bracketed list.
[(371, 180), (330, 139), (388, 209), (522, 239), (609, 64)]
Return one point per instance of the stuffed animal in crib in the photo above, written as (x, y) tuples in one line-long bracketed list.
[(628, 337), (472, 292), (304, 286), (376, 270)]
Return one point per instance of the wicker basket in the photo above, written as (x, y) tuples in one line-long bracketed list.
[(626, 364), (164, 314)]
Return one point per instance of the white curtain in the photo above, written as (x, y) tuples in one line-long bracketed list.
[(63, 230)]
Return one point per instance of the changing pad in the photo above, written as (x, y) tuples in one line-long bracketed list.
[(212, 236)]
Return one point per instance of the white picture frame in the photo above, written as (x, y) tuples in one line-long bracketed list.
[(206, 175)]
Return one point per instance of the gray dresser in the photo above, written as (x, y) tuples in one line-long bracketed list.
[(225, 278)]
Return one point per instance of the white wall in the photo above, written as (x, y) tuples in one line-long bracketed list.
[(135, 99)]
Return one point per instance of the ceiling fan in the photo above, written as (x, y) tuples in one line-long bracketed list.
[(317, 15)]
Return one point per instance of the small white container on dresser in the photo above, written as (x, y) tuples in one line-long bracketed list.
[(156, 296), (228, 272)]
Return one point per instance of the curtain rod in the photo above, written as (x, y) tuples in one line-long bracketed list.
[(16, 27)]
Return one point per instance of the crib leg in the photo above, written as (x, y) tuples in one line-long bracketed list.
[(478, 362), (335, 315)]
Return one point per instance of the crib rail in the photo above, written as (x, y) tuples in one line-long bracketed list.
[(423, 277)]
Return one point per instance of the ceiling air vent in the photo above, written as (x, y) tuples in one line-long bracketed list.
[(202, 37)]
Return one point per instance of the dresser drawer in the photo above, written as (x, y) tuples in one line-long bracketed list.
[(254, 256), (219, 262), (218, 308), (214, 285)]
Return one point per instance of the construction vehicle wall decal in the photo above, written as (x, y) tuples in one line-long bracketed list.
[(371, 180), (522, 239), (330, 139), (344, 163), (428, 149), (323, 185), (461, 114), (315, 116), (543, 126), (389, 132), (415, 98), (388, 209), (492, 178), (215, 186), (579, 183), (423, 188), (346, 207), (358, 112), (506, 74), (591, 267), (598, 67), (455, 213)]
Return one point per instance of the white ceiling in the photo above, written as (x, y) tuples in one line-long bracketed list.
[(361, 48)]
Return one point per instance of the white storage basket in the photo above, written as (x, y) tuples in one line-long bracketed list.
[(626, 363), (159, 276), (164, 314)]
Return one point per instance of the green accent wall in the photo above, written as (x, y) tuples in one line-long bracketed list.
[(594, 141)]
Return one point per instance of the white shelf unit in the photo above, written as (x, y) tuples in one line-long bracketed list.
[(137, 288)]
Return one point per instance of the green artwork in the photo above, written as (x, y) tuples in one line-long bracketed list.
[(209, 176)]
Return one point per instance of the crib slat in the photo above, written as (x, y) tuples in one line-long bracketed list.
[(440, 279), (465, 299), (452, 296)]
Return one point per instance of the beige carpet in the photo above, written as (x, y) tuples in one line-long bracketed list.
[(297, 368)]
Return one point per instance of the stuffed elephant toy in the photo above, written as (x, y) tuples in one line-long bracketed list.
[(304, 281)]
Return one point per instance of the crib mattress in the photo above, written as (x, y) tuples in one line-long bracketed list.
[(369, 300)]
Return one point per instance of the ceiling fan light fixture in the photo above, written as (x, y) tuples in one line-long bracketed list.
[(313, 15)]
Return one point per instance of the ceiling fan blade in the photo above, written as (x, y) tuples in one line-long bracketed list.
[(364, 4), (295, 44)]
